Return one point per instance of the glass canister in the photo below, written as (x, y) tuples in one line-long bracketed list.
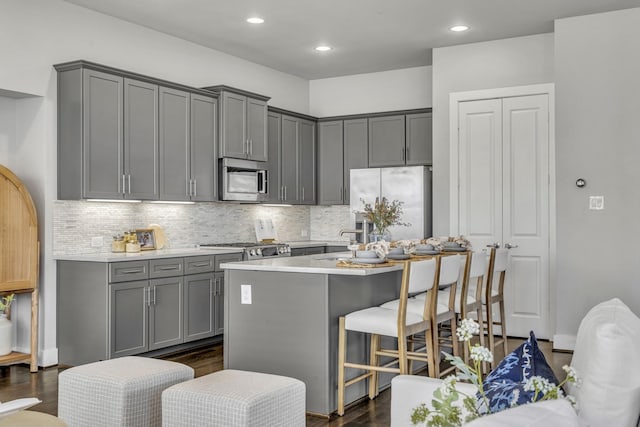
[(118, 244)]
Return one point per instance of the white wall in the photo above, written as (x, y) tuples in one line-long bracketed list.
[(597, 138), (401, 89), (36, 34), (501, 63)]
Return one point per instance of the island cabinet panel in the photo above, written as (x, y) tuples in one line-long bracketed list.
[(299, 312)]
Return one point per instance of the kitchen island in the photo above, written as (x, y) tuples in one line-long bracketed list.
[(281, 317)]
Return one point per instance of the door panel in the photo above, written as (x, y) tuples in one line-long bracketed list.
[(526, 212), (289, 159), (204, 113), (174, 144), (257, 129), (504, 198), (233, 125), (480, 171), (307, 162), (330, 165)]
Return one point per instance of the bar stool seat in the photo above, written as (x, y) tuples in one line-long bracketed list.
[(382, 321)]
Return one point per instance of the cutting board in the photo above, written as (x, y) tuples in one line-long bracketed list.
[(265, 231)]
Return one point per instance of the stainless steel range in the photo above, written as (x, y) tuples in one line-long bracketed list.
[(254, 250)]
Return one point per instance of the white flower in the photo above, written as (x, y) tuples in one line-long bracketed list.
[(448, 385), (572, 375), (515, 397), (467, 329), (538, 384), (481, 354), (572, 400)]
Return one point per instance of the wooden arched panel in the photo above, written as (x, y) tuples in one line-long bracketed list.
[(18, 235)]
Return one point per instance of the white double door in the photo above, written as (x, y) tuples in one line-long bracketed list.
[(503, 197)]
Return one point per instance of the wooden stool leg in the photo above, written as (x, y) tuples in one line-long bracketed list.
[(342, 350), (431, 364), (454, 338), (373, 361), (402, 354), (490, 331), (481, 334), (503, 328)]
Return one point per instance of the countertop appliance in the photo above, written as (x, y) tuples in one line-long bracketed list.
[(410, 185), (254, 250), (243, 180)]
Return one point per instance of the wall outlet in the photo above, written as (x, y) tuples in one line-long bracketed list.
[(97, 242), (596, 203)]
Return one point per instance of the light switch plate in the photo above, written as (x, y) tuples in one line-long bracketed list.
[(245, 294), (596, 203)]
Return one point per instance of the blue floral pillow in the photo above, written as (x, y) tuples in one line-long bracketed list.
[(506, 382)]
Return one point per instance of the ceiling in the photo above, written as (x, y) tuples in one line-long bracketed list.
[(366, 35)]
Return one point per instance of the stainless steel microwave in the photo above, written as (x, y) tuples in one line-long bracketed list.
[(243, 180)]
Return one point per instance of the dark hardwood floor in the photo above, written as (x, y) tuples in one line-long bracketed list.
[(16, 381)]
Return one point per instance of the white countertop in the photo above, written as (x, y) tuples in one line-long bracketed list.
[(143, 255), (316, 264)]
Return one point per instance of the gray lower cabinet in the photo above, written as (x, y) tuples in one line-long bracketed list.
[(342, 146), (108, 310)]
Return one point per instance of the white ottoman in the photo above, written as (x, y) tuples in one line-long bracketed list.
[(122, 392), (235, 399)]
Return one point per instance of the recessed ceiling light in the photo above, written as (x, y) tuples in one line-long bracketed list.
[(458, 28), (255, 20), (323, 48)]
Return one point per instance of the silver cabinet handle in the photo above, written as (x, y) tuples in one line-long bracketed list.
[(303, 194), (403, 154), (129, 182), (195, 187), (201, 264), (124, 187), (169, 267), (154, 295), (510, 246), (147, 293), (494, 245), (132, 271), (407, 154), (251, 147)]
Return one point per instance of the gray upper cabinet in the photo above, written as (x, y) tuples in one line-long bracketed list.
[(342, 146), (289, 160), (243, 124), (273, 166), (355, 149), (400, 140), (307, 162), (203, 148), (174, 144), (123, 135), (419, 139), (331, 188), (141, 140), (293, 138), (387, 141)]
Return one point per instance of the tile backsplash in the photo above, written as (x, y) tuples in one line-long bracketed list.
[(76, 222)]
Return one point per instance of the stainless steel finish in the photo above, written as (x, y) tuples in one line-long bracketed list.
[(252, 251), (124, 187), (129, 183), (494, 245), (510, 246), (285, 193), (302, 193), (410, 185), (356, 232), (195, 188), (243, 180)]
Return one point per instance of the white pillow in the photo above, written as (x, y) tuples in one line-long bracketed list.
[(548, 413), (606, 357)]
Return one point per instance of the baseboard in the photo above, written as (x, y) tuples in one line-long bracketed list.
[(564, 342), (46, 358)]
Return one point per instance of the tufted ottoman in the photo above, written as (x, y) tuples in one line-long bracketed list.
[(235, 399), (122, 392)]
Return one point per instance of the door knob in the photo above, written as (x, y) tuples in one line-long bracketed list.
[(510, 246), (494, 245)]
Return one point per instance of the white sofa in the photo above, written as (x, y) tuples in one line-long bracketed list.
[(607, 358)]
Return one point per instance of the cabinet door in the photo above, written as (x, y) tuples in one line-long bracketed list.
[(141, 140), (204, 156), (128, 318), (257, 129), (298, 251), (174, 144), (356, 138), (419, 139), (219, 304), (289, 159), (233, 126), (199, 319), (307, 159), (273, 166), (386, 141), (165, 312), (330, 165), (102, 135)]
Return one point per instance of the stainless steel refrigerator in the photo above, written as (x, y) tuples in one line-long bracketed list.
[(410, 185)]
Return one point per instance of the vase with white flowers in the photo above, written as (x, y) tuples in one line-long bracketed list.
[(451, 407), (6, 329)]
